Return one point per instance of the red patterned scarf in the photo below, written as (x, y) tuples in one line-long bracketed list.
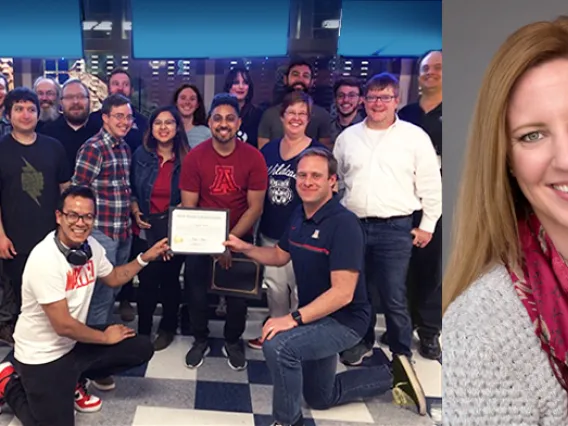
[(543, 290)]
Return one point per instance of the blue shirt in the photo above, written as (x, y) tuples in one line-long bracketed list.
[(281, 197), (331, 240)]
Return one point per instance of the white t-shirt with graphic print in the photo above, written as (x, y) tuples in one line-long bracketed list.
[(49, 278)]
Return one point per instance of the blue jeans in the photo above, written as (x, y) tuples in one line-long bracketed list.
[(102, 302), (389, 248), (305, 358)]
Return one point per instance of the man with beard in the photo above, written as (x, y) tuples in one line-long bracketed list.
[(74, 126), (5, 126), (300, 76), (425, 273), (120, 83), (48, 92), (222, 172), (348, 100)]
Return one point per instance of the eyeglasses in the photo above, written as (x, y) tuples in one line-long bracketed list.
[(121, 117), (384, 98), (73, 217), (296, 114), (49, 93), (169, 123)]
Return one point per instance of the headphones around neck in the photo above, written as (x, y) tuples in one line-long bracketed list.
[(75, 256)]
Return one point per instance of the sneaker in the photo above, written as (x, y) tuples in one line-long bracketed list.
[(194, 358), (164, 339), (406, 386), (356, 354), (430, 348), (236, 355), (7, 334), (6, 373), (84, 401), (126, 311), (104, 384), (254, 343)]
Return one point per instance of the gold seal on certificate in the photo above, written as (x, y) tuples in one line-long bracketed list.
[(198, 230)]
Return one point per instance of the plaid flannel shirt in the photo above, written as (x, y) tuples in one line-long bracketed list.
[(103, 164)]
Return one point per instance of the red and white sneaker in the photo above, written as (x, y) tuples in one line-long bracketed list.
[(84, 401), (6, 372), (255, 343)]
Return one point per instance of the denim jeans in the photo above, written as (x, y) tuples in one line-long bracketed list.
[(102, 302), (389, 247), (305, 359)]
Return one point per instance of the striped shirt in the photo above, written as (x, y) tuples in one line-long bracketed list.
[(103, 164)]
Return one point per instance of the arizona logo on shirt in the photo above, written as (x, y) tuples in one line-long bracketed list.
[(224, 182), (81, 276)]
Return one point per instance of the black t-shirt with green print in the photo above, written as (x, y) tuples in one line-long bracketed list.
[(30, 176)]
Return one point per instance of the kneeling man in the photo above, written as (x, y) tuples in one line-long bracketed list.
[(55, 352), (325, 243)]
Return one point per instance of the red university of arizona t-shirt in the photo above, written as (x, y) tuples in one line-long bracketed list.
[(223, 182)]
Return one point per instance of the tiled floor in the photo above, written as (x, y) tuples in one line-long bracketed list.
[(165, 392)]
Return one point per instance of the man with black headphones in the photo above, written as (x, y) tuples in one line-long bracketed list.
[(54, 349)]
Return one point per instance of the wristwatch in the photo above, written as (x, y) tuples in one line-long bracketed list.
[(297, 316)]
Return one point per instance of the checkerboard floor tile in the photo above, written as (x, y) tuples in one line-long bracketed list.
[(165, 392)]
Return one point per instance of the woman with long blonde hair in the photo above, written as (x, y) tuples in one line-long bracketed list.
[(505, 291)]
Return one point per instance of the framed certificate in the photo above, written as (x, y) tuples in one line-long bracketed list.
[(243, 279), (198, 230)]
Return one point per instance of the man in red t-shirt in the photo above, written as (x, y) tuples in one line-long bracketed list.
[(221, 172)]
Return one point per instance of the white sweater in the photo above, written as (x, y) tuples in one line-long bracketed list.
[(495, 372)]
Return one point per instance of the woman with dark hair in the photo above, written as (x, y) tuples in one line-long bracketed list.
[(189, 102), (239, 83), (155, 186)]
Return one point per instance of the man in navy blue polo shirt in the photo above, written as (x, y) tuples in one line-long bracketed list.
[(326, 245)]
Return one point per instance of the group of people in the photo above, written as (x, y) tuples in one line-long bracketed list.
[(338, 205)]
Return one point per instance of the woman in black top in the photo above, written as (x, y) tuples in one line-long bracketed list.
[(239, 83)]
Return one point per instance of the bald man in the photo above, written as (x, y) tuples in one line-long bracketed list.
[(425, 272)]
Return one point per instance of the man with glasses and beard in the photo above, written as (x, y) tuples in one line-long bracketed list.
[(47, 91), (74, 126), (300, 76), (221, 172), (348, 101)]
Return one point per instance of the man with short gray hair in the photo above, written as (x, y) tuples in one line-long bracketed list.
[(48, 91)]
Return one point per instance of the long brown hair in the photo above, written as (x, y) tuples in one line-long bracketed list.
[(485, 223)]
